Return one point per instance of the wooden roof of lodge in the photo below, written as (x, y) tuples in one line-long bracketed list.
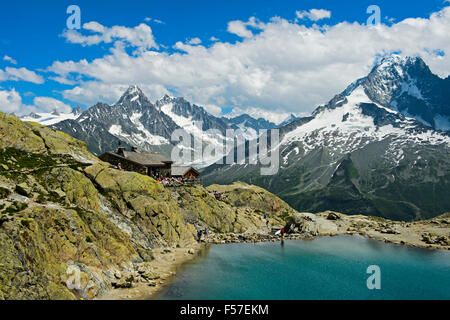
[(181, 171), (143, 158), (146, 158)]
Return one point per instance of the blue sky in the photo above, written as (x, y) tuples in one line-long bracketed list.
[(31, 34)]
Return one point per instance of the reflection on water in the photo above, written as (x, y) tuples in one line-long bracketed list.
[(326, 268)]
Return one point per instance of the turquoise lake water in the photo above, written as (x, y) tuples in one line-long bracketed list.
[(325, 268)]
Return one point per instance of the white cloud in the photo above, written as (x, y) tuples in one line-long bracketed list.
[(140, 36), (20, 74), (212, 109), (314, 14), (284, 66), (240, 28), (48, 104), (11, 101), (147, 19), (63, 80), (194, 41), (9, 59)]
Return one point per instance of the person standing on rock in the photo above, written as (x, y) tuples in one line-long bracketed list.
[(199, 234)]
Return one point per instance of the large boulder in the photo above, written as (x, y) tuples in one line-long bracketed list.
[(308, 223), (23, 189), (4, 192), (125, 182)]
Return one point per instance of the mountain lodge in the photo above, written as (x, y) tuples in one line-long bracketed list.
[(185, 172), (151, 164), (148, 163)]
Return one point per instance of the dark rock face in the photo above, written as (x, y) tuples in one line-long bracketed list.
[(408, 85), (249, 122), (34, 115), (338, 101), (77, 110), (94, 133), (291, 118)]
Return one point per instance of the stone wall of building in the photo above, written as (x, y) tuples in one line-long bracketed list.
[(160, 172)]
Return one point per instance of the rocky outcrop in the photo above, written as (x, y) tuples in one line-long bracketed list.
[(72, 227), (310, 224), (145, 202), (243, 195), (36, 138), (224, 214)]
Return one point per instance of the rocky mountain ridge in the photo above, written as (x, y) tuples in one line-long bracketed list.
[(356, 155), (135, 121)]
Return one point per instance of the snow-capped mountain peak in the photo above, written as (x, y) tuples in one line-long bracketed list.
[(134, 95), (288, 120), (135, 121), (49, 118), (133, 90), (396, 60), (349, 122), (77, 110), (407, 85)]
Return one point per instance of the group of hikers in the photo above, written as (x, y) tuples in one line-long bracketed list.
[(200, 233), (165, 181), (282, 231), (174, 181)]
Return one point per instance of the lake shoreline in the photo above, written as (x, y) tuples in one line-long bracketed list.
[(167, 263), (425, 234), (420, 235), (253, 271)]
